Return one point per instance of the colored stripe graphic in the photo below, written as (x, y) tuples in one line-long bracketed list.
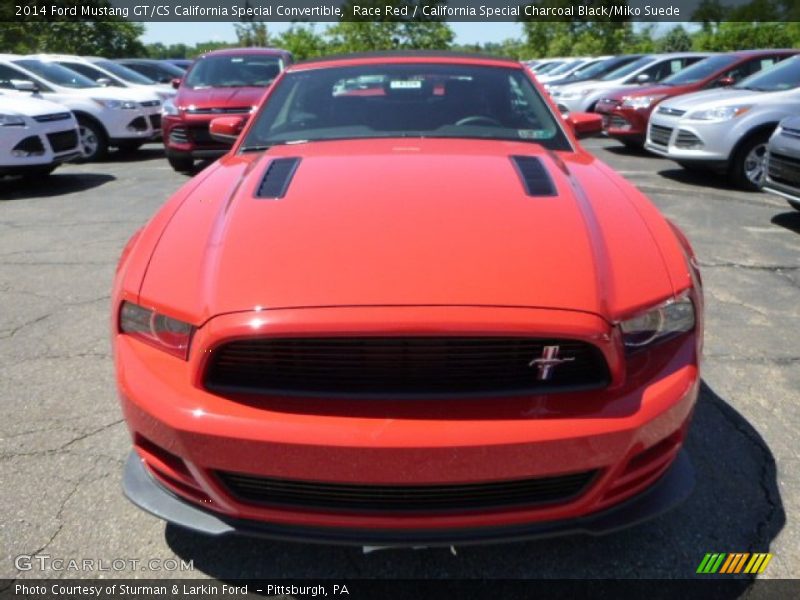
[(736, 562)]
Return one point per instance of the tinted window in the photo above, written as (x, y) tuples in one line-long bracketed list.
[(784, 76), (234, 71), (124, 72), (9, 75), (629, 68), (55, 73), (405, 100), (701, 70), (90, 72)]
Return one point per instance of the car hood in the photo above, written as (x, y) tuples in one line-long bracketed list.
[(110, 93), (220, 97), (647, 90), (408, 222), (717, 97), (30, 107)]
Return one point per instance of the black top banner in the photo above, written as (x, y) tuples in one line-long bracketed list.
[(400, 10)]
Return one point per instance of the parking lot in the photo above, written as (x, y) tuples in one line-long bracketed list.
[(63, 441)]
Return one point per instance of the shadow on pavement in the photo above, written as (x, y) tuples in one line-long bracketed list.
[(622, 150), (52, 185), (699, 177), (790, 220), (735, 507), (149, 152)]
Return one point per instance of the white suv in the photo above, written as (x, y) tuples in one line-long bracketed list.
[(35, 136), (727, 129), (107, 117), (106, 72)]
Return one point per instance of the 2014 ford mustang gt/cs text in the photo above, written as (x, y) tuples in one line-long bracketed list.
[(407, 308)]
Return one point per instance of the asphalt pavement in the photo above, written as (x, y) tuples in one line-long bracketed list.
[(63, 441)]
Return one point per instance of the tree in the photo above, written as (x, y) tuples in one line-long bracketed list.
[(676, 40), (302, 41), (253, 33)]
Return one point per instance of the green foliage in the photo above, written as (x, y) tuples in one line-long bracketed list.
[(253, 33), (302, 41), (676, 40), (742, 36)]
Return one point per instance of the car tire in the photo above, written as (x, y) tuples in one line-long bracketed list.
[(748, 166), (180, 162), (93, 142), (128, 147)]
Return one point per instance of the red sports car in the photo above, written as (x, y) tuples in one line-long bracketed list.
[(626, 113), (425, 316), (222, 82)]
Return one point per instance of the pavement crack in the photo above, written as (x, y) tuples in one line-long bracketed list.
[(12, 332), (736, 265)]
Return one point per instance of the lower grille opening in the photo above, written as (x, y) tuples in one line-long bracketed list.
[(62, 141), (405, 366), (405, 498)]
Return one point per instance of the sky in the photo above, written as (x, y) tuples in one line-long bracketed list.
[(191, 33)]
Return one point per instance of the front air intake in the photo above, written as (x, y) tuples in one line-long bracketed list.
[(277, 178), (534, 176)]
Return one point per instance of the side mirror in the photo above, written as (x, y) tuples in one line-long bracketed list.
[(23, 85), (585, 124), (726, 81), (176, 83), (642, 78), (104, 81), (226, 129)]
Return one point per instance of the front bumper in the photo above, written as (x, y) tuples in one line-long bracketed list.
[(125, 125), (32, 147), (688, 141), (629, 432), (188, 135), (670, 490)]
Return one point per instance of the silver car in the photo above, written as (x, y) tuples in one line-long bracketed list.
[(783, 161), (582, 96), (727, 129)]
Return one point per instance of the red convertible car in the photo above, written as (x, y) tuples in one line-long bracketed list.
[(421, 316)]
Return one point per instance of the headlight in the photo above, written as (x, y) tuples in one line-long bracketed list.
[(158, 330), (115, 104), (169, 108), (663, 321), (721, 113), (640, 102), (11, 121)]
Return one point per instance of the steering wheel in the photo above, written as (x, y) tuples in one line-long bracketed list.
[(478, 120)]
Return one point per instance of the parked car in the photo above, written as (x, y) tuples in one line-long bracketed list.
[(230, 81), (35, 136), (783, 161), (183, 63), (582, 96), (564, 70), (727, 129), (593, 71), (310, 344), (160, 71), (107, 117), (109, 73), (626, 112)]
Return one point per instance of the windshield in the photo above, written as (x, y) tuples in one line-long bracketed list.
[(405, 100), (629, 68), (566, 67), (701, 70), (124, 73), (547, 68), (56, 74), (783, 76), (230, 70)]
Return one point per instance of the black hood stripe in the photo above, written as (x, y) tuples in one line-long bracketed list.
[(535, 178), (277, 178)]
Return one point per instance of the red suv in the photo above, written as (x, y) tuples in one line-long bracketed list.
[(223, 82), (626, 112)]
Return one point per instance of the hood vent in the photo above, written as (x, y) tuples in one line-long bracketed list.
[(534, 176), (277, 178)]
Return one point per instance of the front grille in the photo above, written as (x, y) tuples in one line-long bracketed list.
[(62, 116), (179, 135), (62, 141), (151, 103), (673, 112), (686, 139), (201, 135), (30, 146), (660, 135), (402, 366), (220, 111), (783, 169), (790, 132), (155, 121), (405, 498), (618, 122)]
